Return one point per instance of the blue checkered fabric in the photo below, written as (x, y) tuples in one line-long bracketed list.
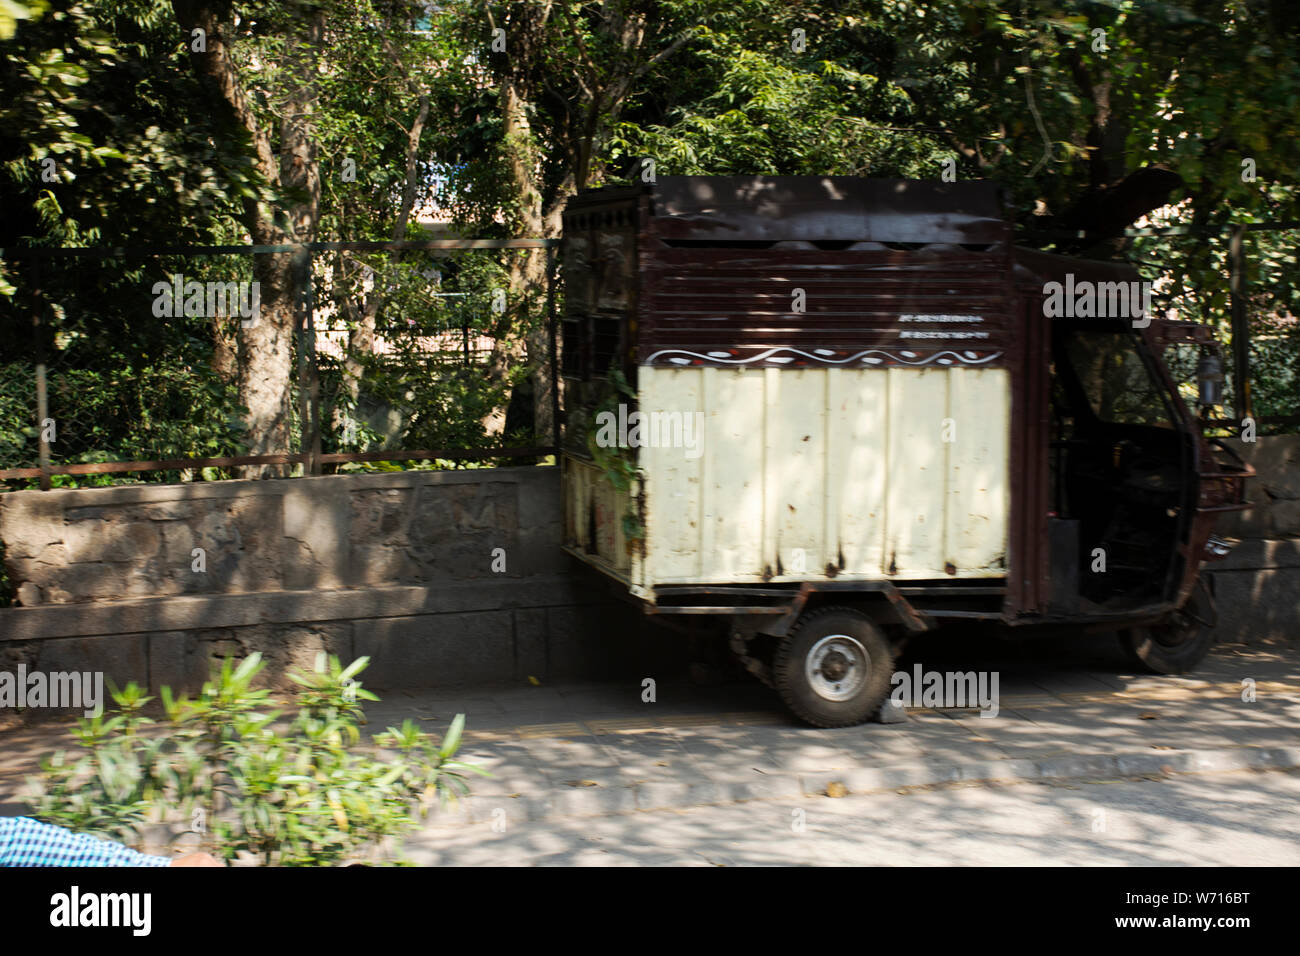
[(28, 842)]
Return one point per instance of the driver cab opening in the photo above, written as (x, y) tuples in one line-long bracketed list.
[(1119, 471)]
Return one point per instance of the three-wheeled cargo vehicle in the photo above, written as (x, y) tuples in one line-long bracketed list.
[(837, 412)]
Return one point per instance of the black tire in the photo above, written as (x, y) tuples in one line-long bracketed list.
[(861, 672), (1177, 644)]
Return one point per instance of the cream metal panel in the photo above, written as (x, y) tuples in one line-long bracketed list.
[(678, 467), (794, 490), (915, 468), (850, 473), (978, 506), (856, 470), (731, 510), (586, 490)]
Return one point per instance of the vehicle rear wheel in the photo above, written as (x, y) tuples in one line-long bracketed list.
[(1179, 642), (833, 668)]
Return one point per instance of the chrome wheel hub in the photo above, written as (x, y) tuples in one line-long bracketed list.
[(837, 667)]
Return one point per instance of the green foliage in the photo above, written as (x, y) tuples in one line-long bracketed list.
[(422, 391), (114, 396), (1191, 277), (98, 118), (1021, 93), (11, 12), (617, 463), (100, 144), (746, 103), (295, 792)]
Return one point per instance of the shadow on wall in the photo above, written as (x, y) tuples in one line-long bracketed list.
[(239, 537), (598, 640), (1274, 495)]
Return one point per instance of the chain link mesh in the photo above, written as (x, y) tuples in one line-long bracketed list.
[(413, 350)]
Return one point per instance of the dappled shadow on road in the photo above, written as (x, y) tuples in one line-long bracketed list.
[(599, 741), (1206, 820), (1080, 671)]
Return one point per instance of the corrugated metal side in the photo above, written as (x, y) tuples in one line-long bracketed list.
[(873, 306), (593, 516), (816, 473)]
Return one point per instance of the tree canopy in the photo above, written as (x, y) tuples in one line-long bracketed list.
[(131, 122)]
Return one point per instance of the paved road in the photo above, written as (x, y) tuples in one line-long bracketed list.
[(593, 773), (1221, 819)]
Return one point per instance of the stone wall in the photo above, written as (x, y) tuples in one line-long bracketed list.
[(353, 531), (1274, 495), (1257, 592), (440, 577)]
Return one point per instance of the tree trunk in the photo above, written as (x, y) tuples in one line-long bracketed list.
[(514, 341), (225, 346), (265, 353), (265, 345)]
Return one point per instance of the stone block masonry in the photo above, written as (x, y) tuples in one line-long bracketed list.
[(348, 531), (442, 578)]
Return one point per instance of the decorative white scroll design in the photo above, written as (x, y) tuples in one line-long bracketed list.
[(826, 357)]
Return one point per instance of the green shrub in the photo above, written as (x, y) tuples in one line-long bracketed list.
[(306, 796)]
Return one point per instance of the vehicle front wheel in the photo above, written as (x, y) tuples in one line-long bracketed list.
[(1179, 642), (833, 668)]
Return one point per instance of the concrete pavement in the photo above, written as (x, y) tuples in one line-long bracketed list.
[(1067, 711), (1209, 820), (599, 749)]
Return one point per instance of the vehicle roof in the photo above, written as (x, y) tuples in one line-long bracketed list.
[(812, 208), (1034, 268)]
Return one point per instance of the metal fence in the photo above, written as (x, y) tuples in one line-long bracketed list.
[(396, 345), (1254, 311), (400, 352)]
